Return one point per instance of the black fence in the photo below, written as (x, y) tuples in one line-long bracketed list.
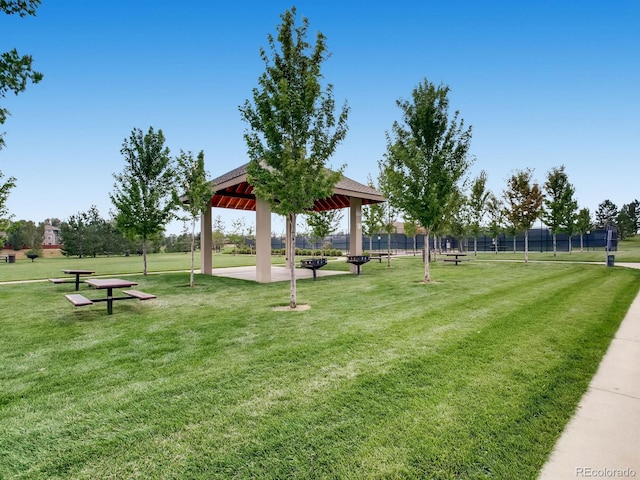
[(540, 240)]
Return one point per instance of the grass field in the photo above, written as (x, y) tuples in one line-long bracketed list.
[(472, 376)]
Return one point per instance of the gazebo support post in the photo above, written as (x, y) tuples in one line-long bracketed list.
[(206, 244), (263, 241), (355, 229)]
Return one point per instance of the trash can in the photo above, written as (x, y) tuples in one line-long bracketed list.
[(610, 260), (11, 258)]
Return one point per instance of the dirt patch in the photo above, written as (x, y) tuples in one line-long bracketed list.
[(287, 308)]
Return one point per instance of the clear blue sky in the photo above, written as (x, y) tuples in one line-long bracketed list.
[(544, 84)]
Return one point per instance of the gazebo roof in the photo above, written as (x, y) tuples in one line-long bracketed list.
[(232, 190)]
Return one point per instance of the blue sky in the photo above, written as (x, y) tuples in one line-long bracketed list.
[(543, 84)]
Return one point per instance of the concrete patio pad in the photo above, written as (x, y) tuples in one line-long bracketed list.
[(278, 273)]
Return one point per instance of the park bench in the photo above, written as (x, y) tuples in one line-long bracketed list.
[(313, 264), (138, 294), (358, 260)]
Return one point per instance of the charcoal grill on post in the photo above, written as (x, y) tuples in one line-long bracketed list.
[(358, 260), (313, 264)]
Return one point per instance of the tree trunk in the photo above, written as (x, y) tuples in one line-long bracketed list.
[(514, 243), (475, 246), (144, 257), (388, 250), (555, 245), (526, 246), (291, 219), (570, 246), (427, 273), (581, 243), (193, 251)]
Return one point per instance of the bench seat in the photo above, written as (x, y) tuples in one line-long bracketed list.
[(78, 300), (60, 280), (138, 294)]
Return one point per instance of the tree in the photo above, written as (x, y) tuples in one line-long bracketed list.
[(5, 189), (629, 216), (495, 213), (218, 234), (583, 225), (477, 205), (410, 229), (196, 191), (560, 206), (372, 217), (627, 220), (606, 215), (16, 70), (426, 158), (292, 129), (389, 227), (144, 195), (88, 234), (236, 236), (323, 223), (523, 203)]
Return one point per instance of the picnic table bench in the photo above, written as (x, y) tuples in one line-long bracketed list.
[(313, 264), (455, 257), (358, 260), (109, 284), (378, 256)]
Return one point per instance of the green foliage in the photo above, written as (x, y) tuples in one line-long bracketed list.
[(426, 158), (523, 203), (323, 223), (292, 130), (144, 195), (5, 189), (87, 234), (218, 237), (628, 220), (606, 214), (15, 69), (196, 191), (477, 203)]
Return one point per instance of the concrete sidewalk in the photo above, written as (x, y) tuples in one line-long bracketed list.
[(602, 440)]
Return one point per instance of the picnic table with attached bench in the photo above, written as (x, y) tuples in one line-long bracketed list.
[(108, 284), (313, 264), (378, 256), (455, 257), (76, 273)]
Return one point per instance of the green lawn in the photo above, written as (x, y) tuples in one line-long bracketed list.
[(472, 376), (25, 269)]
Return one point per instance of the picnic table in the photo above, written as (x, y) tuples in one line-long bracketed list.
[(109, 284), (378, 256), (74, 272), (455, 257)]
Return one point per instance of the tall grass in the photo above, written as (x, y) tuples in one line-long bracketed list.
[(473, 376)]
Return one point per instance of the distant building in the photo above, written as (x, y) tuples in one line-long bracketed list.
[(51, 235)]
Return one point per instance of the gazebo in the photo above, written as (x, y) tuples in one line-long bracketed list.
[(232, 190)]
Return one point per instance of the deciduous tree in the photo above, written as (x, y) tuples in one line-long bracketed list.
[(16, 70), (323, 223), (560, 206), (427, 156), (523, 202), (144, 195), (196, 194), (477, 206), (584, 225), (292, 129)]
